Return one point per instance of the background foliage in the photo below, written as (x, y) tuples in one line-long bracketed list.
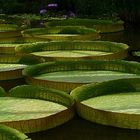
[(128, 10)]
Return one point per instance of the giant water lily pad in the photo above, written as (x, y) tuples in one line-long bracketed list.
[(73, 53), (8, 67), (18, 59), (32, 108), (7, 48), (114, 103), (127, 102), (66, 75), (19, 109), (8, 45), (8, 34), (8, 27), (11, 71), (20, 40), (63, 33), (9, 30), (104, 26), (11, 75), (11, 67), (84, 76), (76, 50), (8, 133)]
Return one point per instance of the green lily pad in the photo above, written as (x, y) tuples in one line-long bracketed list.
[(8, 67), (75, 50), (114, 103), (8, 45), (20, 40), (84, 76), (9, 59), (73, 53), (9, 30), (120, 103), (18, 109), (8, 133), (104, 26), (59, 30), (63, 33), (8, 27), (11, 67), (11, 71), (66, 75), (32, 108)]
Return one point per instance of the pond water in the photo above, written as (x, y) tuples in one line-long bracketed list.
[(130, 36), (80, 129)]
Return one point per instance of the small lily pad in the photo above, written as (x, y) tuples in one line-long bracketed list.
[(136, 53)]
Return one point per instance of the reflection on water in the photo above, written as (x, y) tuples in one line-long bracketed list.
[(80, 129)]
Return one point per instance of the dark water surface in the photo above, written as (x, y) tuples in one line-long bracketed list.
[(130, 36), (80, 129)]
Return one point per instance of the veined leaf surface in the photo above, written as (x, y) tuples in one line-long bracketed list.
[(84, 76), (17, 109)]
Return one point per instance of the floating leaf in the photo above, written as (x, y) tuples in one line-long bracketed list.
[(104, 26), (32, 108), (66, 75), (7, 133), (75, 50), (114, 103)]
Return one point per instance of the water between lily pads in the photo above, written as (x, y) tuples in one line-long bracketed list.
[(80, 129)]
